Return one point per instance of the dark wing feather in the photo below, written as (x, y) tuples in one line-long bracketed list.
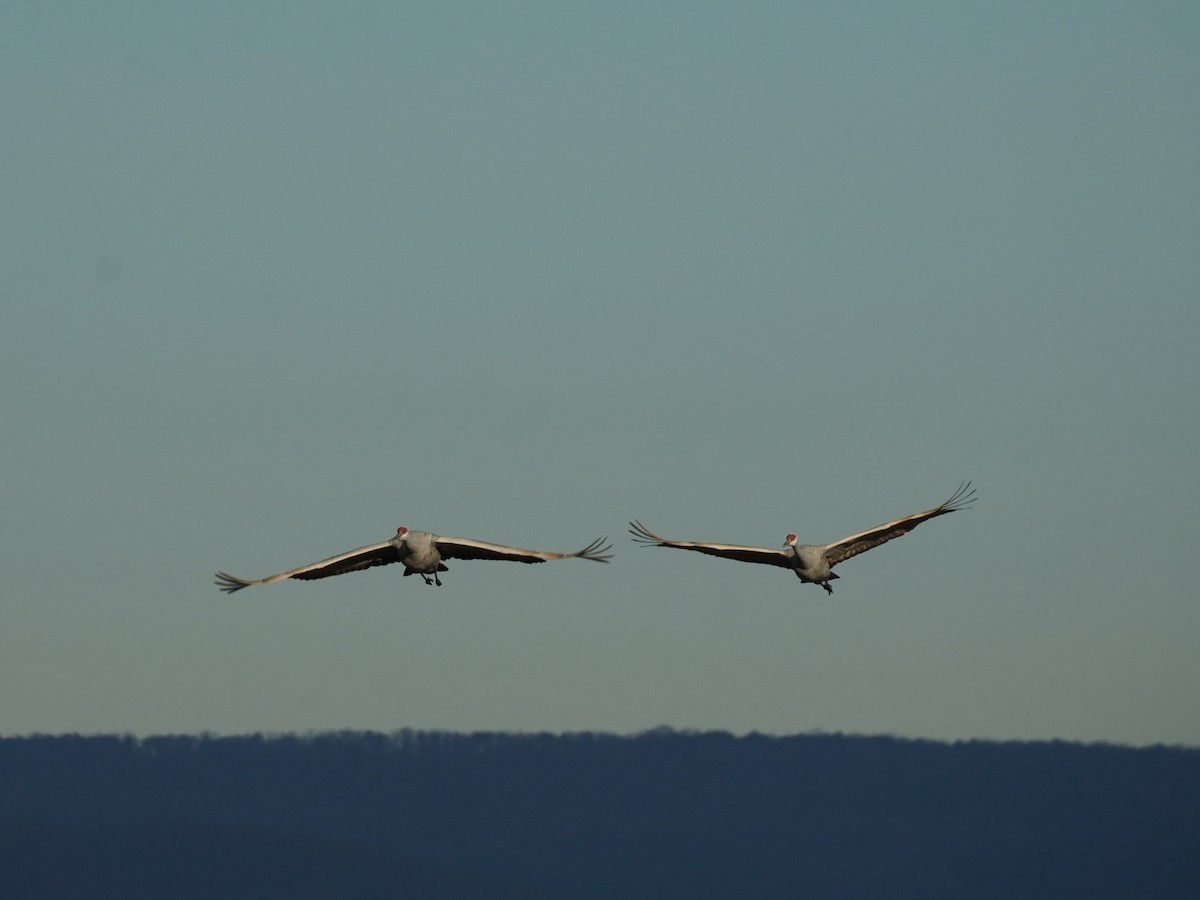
[(764, 555), (469, 548), (840, 551), (380, 554)]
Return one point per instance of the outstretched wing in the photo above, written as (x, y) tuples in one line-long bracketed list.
[(351, 561), (766, 555), (855, 544), (468, 548)]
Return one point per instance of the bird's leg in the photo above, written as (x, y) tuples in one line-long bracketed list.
[(437, 580), (426, 577), (828, 587)]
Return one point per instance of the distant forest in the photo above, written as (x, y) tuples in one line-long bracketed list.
[(664, 814)]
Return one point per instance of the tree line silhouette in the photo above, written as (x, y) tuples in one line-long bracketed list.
[(656, 815)]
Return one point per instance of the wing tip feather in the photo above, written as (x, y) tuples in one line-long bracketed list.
[(961, 498), (231, 583), (644, 536), (598, 550)]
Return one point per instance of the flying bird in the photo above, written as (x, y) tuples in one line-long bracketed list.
[(812, 563), (421, 552)]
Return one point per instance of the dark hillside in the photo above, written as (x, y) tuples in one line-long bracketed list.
[(663, 814)]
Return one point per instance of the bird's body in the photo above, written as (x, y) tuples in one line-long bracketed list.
[(812, 563), (421, 552)]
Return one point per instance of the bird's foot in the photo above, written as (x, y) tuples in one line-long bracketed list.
[(437, 580), (828, 587)]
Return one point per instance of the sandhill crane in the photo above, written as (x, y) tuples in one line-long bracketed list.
[(812, 563), (421, 552)]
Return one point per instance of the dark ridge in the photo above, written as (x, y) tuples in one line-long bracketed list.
[(656, 815)]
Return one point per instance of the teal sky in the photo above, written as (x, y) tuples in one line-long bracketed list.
[(280, 277)]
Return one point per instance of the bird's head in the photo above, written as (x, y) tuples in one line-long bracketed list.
[(401, 532), (790, 541)]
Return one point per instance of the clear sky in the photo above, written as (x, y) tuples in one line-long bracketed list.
[(280, 277)]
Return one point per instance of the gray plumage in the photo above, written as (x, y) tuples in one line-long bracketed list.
[(421, 552), (812, 563)]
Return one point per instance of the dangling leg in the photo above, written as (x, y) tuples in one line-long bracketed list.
[(828, 587), (408, 571)]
